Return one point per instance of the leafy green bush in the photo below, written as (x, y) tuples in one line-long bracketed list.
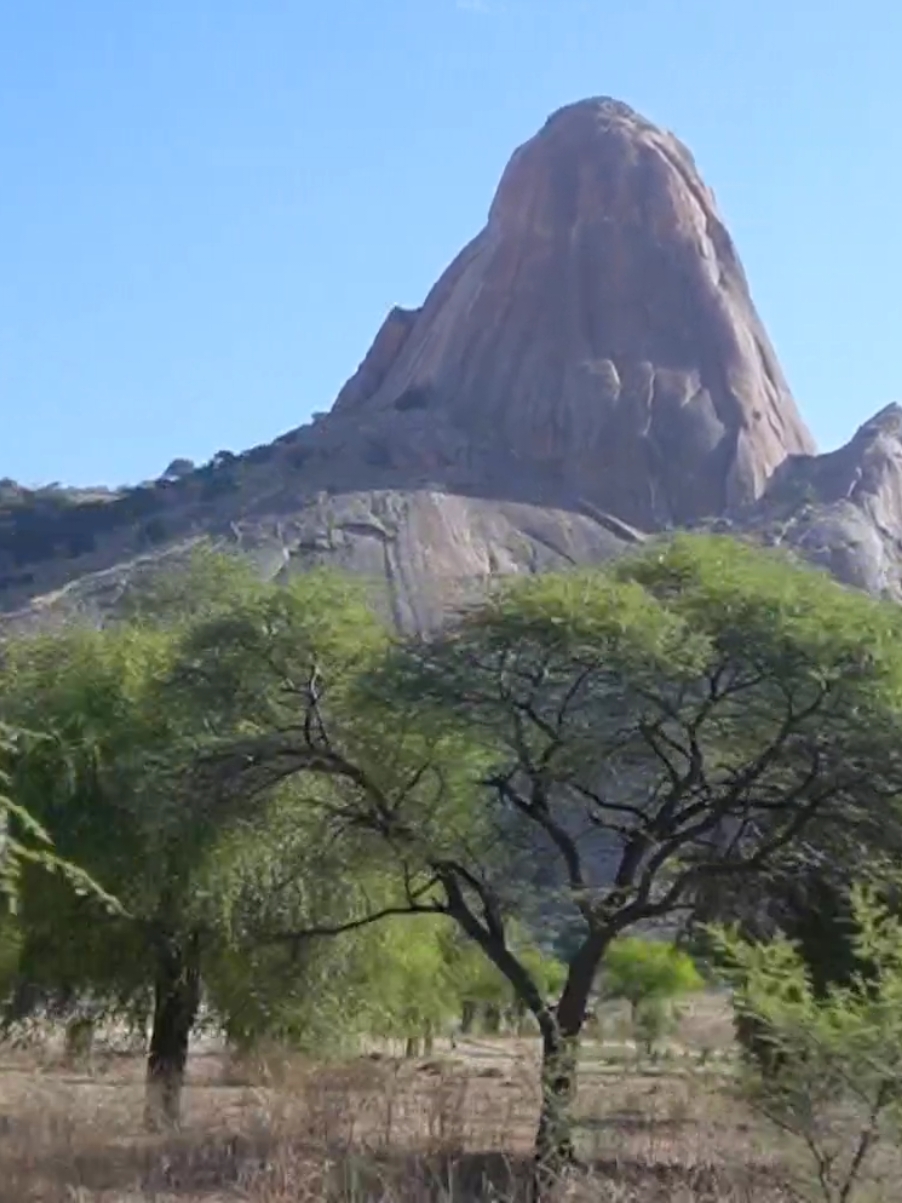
[(835, 1084)]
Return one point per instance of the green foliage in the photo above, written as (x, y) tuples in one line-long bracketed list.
[(653, 1019), (811, 908), (125, 711), (837, 1085), (253, 766), (409, 983), (274, 873), (650, 975), (289, 679), (181, 591), (479, 984), (90, 782), (24, 842), (703, 703), (208, 654), (638, 969)]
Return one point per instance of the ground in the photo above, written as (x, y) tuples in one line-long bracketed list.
[(456, 1126)]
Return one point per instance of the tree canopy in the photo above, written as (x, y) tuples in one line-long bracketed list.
[(693, 713)]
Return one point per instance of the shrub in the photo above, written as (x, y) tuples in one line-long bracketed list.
[(834, 1082)]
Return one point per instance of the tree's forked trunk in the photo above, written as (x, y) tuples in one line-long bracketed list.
[(176, 1003)]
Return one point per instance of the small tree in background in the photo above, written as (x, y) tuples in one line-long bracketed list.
[(835, 1082), (487, 999), (650, 975), (412, 990), (178, 468)]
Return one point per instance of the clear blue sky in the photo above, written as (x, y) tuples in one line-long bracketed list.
[(207, 206)]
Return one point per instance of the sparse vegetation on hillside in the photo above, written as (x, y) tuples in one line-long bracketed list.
[(57, 523)]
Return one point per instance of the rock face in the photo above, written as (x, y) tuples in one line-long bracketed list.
[(422, 554), (590, 367), (597, 338), (842, 510)]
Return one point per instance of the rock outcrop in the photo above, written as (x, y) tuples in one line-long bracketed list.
[(423, 555), (597, 339), (842, 510)]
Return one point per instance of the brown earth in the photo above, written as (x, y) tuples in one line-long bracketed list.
[(452, 1129)]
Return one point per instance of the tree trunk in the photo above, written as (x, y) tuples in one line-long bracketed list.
[(519, 1017), (554, 1149), (467, 1017), (79, 1041), (561, 1030), (492, 1019), (176, 1003), (412, 1047), (635, 1028)]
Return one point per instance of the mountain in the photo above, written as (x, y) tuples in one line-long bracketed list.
[(589, 370), (595, 341)]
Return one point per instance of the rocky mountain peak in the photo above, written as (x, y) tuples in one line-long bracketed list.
[(596, 340)]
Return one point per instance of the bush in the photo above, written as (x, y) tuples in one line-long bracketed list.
[(834, 1077)]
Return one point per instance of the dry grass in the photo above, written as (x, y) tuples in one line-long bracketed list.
[(458, 1128)]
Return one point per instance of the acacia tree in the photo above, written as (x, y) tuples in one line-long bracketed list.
[(684, 716), (91, 782), (197, 881), (108, 780)]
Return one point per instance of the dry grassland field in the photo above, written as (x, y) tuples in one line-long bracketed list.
[(456, 1126)]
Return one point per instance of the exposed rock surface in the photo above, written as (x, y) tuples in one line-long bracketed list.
[(591, 365), (597, 337), (425, 554), (842, 510)]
